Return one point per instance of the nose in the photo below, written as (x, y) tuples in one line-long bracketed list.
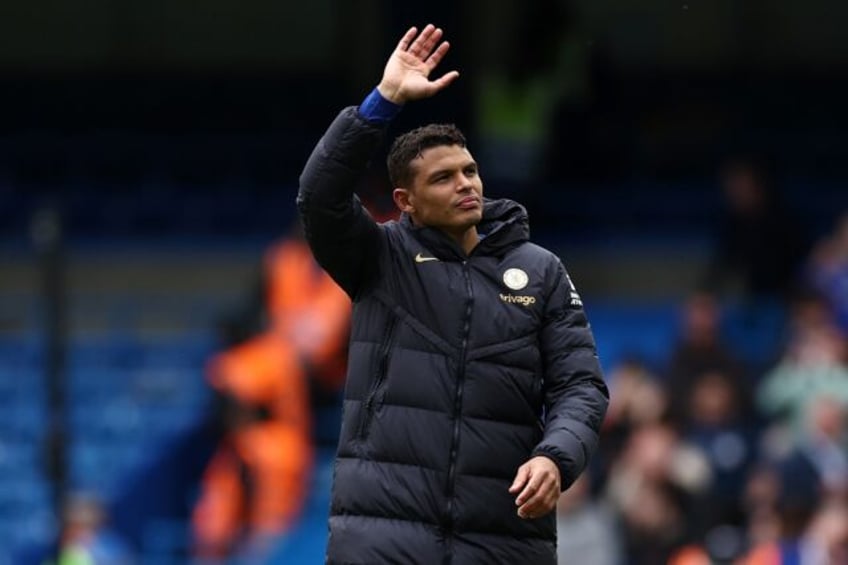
[(463, 183)]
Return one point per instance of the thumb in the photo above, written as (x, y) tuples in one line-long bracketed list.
[(520, 478), (443, 81), (447, 78)]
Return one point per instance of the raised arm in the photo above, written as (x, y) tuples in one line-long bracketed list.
[(342, 235)]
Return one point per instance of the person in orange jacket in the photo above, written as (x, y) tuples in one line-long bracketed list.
[(309, 310), (256, 482)]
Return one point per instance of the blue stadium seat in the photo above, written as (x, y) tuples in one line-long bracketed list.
[(163, 541), (100, 353), (20, 385), (643, 331), (757, 331), (26, 514), (21, 352), (25, 421), (19, 458), (100, 466)]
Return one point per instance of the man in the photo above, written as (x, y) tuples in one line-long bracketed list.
[(474, 394)]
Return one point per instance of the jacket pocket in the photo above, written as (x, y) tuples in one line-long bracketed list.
[(379, 381)]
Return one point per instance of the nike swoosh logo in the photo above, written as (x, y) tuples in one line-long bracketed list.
[(421, 259)]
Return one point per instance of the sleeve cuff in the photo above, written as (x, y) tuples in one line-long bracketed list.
[(375, 108), (565, 477)]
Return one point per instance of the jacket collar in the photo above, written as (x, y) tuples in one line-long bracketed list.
[(504, 225)]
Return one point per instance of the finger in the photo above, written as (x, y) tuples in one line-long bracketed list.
[(437, 55), (431, 42), (541, 503), (403, 45), (445, 80), (539, 509), (523, 472), (530, 489), (417, 46)]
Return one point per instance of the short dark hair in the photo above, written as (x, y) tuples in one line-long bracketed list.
[(408, 146)]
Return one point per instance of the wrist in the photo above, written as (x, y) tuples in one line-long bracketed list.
[(564, 479), (391, 94), (378, 108)]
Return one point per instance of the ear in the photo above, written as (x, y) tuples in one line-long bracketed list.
[(404, 200)]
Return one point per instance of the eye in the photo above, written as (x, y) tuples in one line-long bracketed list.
[(471, 170)]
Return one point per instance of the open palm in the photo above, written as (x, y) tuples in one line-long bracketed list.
[(407, 72)]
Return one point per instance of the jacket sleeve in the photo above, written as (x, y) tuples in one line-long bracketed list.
[(575, 394), (343, 236)]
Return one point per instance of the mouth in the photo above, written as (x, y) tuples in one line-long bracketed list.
[(468, 203)]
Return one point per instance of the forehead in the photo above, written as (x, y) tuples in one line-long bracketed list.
[(441, 157)]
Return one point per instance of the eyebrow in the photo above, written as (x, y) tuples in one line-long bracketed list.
[(435, 174)]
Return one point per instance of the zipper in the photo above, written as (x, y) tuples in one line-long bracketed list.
[(379, 378), (457, 412)]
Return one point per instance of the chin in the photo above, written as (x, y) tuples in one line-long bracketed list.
[(465, 222), (471, 222)]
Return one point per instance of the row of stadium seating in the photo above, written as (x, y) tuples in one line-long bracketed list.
[(240, 208), (125, 397)]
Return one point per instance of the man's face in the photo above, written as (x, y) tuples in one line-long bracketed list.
[(446, 191)]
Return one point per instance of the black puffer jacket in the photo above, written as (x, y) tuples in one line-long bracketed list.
[(461, 368)]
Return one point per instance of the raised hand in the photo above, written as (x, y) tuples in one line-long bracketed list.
[(406, 76)]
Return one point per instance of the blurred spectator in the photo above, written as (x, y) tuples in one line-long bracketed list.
[(699, 350), (293, 297), (654, 523), (691, 555), (813, 365), (721, 546), (788, 525), (760, 245), (307, 309), (762, 489), (651, 485), (827, 534), (517, 98), (828, 270), (254, 487), (825, 443), (716, 426), (636, 399), (797, 503), (639, 398), (87, 538), (791, 496), (587, 530)]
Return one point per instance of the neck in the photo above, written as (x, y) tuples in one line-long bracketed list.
[(467, 238)]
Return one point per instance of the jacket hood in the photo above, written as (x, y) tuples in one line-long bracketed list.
[(505, 224)]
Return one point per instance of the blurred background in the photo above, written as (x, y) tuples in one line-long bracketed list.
[(171, 360)]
